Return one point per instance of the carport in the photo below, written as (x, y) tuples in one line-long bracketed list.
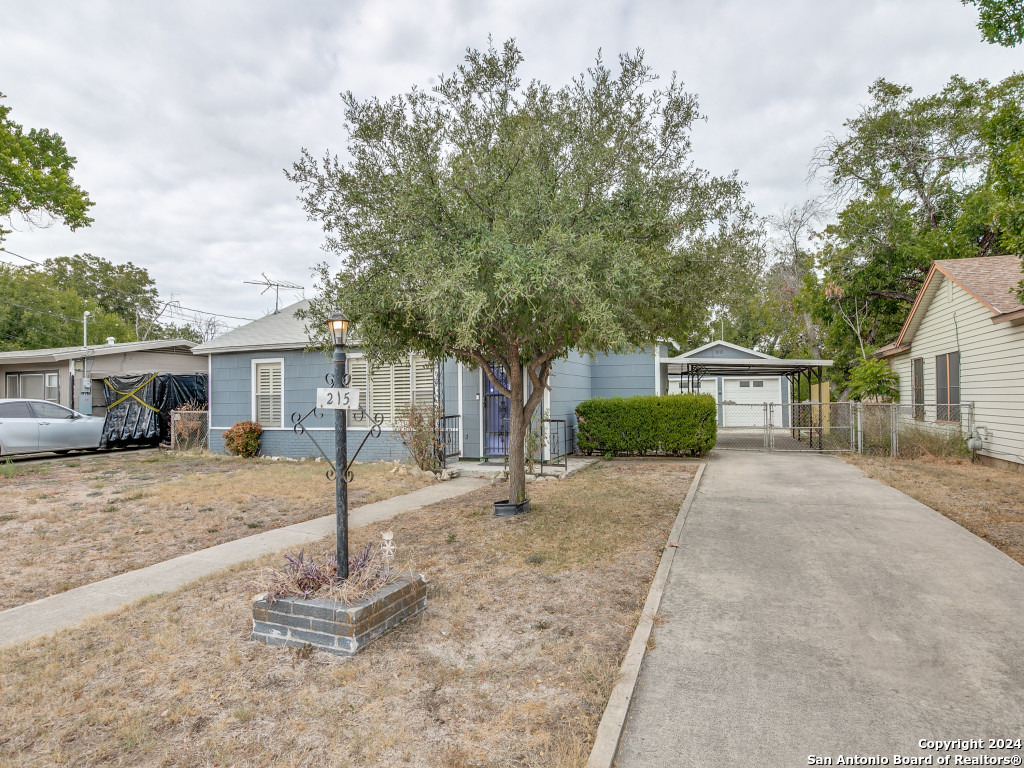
[(811, 424)]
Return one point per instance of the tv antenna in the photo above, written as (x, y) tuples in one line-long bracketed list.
[(277, 285)]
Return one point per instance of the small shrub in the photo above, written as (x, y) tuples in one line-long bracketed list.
[(874, 379), (677, 425), (243, 439), (369, 569), (417, 429)]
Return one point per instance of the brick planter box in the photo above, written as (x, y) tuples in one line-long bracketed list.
[(335, 627)]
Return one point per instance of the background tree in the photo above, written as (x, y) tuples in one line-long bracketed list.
[(35, 178), (42, 306), (1000, 21), (504, 225), (37, 313), (124, 290), (919, 179), (763, 307)]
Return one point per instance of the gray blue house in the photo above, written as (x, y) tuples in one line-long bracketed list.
[(263, 372)]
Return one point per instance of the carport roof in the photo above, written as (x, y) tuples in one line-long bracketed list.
[(740, 366), (57, 354)]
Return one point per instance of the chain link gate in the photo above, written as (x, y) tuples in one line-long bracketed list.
[(786, 427)]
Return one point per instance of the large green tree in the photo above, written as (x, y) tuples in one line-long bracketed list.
[(919, 179), (35, 178), (37, 312), (124, 290), (42, 306), (504, 224), (1001, 21)]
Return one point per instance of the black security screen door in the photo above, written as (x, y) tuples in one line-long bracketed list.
[(496, 416)]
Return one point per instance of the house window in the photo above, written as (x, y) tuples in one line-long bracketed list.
[(388, 390), (41, 385), (268, 392), (745, 384), (947, 387), (758, 383), (917, 385)]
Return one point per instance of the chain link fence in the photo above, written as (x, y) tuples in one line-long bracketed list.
[(900, 429), (888, 429), (189, 429)]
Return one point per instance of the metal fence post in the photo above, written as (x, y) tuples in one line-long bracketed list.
[(767, 426), (860, 428), (894, 432)]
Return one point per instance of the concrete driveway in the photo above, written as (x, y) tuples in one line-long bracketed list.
[(812, 613)]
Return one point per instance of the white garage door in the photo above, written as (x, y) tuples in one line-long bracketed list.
[(749, 395)]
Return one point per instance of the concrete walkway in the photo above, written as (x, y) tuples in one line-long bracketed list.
[(70, 608), (811, 611)]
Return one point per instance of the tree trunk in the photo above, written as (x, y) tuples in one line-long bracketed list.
[(517, 437)]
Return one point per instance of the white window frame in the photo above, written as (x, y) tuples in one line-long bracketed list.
[(252, 377)]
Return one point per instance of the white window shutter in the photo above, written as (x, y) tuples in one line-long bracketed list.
[(381, 393), (268, 394), (357, 380), (423, 381)]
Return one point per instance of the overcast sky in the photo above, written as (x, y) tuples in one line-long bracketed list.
[(183, 115)]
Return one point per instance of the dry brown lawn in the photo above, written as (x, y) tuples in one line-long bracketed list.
[(511, 664), (986, 501), (75, 521)]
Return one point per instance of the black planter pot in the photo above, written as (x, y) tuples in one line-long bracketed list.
[(504, 508)]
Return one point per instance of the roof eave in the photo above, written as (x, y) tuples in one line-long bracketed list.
[(892, 351), (202, 349), (1013, 318)]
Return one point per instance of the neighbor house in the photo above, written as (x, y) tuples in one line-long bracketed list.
[(266, 372), (963, 342), (71, 376)]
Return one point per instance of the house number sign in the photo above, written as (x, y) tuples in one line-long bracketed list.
[(337, 399)]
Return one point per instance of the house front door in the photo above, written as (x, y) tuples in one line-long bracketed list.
[(497, 414)]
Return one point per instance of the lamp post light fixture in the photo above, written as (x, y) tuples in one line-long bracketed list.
[(338, 325)]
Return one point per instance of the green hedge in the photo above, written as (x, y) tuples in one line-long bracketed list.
[(671, 424)]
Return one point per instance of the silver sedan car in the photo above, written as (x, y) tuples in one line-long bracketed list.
[(34, 426)]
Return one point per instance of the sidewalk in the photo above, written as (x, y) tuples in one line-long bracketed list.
[(811, 611), (70, 608)]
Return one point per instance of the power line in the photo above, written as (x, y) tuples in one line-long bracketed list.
[(124, 295), (41, 311), (26, 258)]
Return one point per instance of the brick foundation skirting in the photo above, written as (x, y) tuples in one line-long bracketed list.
[(336, 627)]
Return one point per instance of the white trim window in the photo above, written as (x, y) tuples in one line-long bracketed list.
[(268, 393), (389, 389)]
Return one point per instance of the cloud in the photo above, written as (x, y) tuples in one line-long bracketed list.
[(183, 115)]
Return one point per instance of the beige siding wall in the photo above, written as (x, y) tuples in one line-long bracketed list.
[(63, 377), (102, 365), (991, 366)]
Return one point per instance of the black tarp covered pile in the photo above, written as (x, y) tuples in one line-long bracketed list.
[(139, 407)]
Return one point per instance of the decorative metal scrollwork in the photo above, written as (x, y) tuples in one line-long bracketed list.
[(329, 378), (299, 428)]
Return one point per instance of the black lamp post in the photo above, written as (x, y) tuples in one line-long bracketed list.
[(338, 325)]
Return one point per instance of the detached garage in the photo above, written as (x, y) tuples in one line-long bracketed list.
[(753, 394), (690, 372)]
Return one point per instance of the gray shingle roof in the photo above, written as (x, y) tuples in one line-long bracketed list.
[(281, 330)]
